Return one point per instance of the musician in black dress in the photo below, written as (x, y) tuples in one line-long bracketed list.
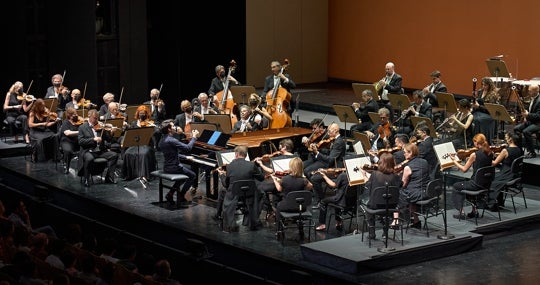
[(504, 160), (43, 127), (16, 110)]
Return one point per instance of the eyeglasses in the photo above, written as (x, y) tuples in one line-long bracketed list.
[(383, 117)]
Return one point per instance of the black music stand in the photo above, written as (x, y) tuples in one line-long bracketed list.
[(442, 151), (427, 121), (497, 67), (241, 93), (346, 115), (358, 88), (137, 137), (118, 123), (221, 121), (447, 102), (499, 113), (399, 102)]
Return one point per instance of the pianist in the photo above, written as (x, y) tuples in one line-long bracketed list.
[(174, 151)]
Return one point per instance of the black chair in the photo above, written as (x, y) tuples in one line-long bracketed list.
[(479, 198), (301, 216), (383, 201), (346, 211), (431, 205), (247, 205), (514, 187), (96, 167)]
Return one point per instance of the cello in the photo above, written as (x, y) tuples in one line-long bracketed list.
[(225, 98), (278, 99)]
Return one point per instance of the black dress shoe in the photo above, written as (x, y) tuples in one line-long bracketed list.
[(86, 182), (530, 155), (472, 215)]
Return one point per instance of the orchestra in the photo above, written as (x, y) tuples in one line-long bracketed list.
[(320, 148)]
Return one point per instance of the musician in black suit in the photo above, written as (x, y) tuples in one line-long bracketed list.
[(277, 76), (248, 122), (418, 108), (428, 93), (321, 158), (218, 82), (238, 169), (531, 121), (93, 144), (424, 141), (390, 83), (362, 111)]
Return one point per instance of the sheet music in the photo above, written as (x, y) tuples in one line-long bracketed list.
[(359, 148), (281, 164), (442, 151), (227, 157), (354, 170)]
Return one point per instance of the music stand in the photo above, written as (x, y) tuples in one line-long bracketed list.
[(358, 88), (51, 104), (445, 162), (203, 126), (354, 165), (415, 120), (83, 113), (137, 137), (499, 113), (446, 101), (497, 68), (118, 123), (221, 121), (399, 102), (241, 93), (345, 114), (363, 138), (374, 116)]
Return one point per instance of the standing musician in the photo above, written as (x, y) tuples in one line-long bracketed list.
[(428, 93), (483, 122), (480, 158), (16, 107), (531, 121), (69, 132), (93, 139), (325, 158), (382, 133), (275, 80), (43, 127), (218, 82), (362, 110)]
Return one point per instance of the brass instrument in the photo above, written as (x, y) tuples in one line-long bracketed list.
[(379, 84)]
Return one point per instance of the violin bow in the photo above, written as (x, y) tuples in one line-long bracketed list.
[(318, 125), (161, 86)]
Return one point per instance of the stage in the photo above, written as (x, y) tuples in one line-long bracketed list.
[(200, 251)]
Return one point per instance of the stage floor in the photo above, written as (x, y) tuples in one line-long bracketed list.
[(341, 256)]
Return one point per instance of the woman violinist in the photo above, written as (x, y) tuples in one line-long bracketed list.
[(139, 161), (16, 107), (382, 133), (69, 132), (42, 124)]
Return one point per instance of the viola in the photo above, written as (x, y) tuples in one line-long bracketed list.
[(147, 123), (384, 131), (330, 171)]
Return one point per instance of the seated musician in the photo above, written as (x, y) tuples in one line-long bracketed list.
[(267, 186), (318, 133), (247, 122), (340, 184), (173, 151), (325, 158), (483, 122), (362, 110), (530, 123), (69, 132), (261, 115), (205, 107), (43, 126), (382, 133), (94, 141), (184, 120), (482, 157), (418, 108), (104, 108), (139, 160), (16, 110), (428, 93), (426, 151), (505, 159), (461, 125)]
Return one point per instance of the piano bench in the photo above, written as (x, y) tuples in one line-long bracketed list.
[(167, 176)]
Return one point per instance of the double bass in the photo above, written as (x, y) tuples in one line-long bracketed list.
[(225, 98), (278, 99)]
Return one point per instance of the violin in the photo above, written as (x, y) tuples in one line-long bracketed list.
[(27, 98), (370, 167), (146, 123), (323, 143), (384, 131), (398, 168), (266, 157), (333, 172), (85, 103), (281, 173), (462, 154), (100, 126)]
